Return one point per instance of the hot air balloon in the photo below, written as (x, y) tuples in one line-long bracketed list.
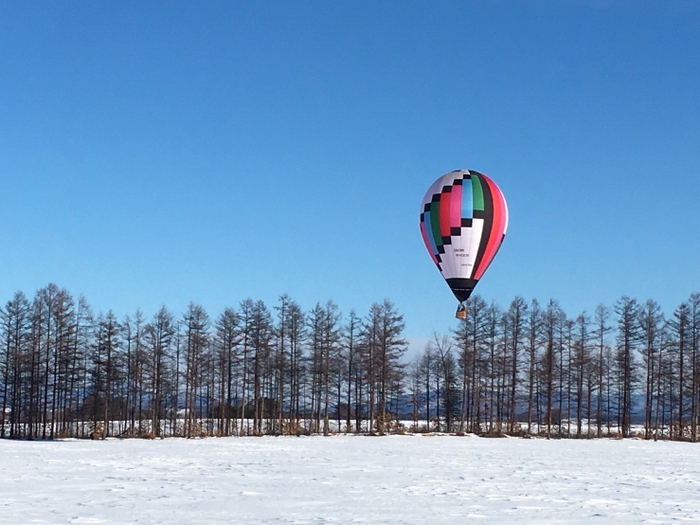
[(463, 221)]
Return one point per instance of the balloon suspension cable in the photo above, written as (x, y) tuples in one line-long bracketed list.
[(461, 312)]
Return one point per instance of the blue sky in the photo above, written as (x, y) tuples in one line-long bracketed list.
[(165, 152)]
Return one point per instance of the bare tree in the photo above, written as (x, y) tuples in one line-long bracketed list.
[(261, 332), (390, 347), (651, 319), (350, 345), (534, 335), (680, 326), (551, 321), (694, 305), (226, 341), (628, 338), (516, 319), (469, 337), (441, 347), (159, 335), (602, 328), (15, 324), (196, 335), (582, 370), (106, 366)]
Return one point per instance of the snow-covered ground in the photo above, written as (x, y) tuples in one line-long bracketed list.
[(349, 479)]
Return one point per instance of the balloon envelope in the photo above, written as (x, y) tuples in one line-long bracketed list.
[(463, 221)]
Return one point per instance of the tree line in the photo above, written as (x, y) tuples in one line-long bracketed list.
[(532, 369), (251, 370)]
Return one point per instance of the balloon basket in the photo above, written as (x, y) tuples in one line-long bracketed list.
[(461, 312)]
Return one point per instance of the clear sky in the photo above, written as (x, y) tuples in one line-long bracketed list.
[(165, 152)]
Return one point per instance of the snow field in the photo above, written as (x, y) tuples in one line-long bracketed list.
[(349, 479)]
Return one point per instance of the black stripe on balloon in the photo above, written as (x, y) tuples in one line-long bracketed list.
[(462, 288), (488, 222), (446, 240), (426, 208), (456, 232), (466, 223)]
